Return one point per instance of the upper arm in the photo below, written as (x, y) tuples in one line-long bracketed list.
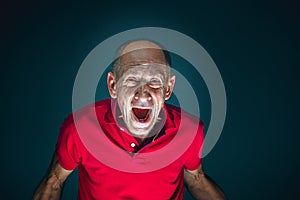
[(190, 176), (193, 153), (56, 174), (52, 184), (202, 186), (56, 171)]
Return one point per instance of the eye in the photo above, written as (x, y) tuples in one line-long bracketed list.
[(131, 81), (154, 80), (155, 83)]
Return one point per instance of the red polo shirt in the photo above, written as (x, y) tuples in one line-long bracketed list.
[(97, 180)]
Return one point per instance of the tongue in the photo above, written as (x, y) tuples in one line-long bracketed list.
[(140, 113)]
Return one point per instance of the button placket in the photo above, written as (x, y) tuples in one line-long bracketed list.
[(132, 144)]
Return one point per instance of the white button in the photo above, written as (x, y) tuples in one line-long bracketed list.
[(122, 129), (132, 145)]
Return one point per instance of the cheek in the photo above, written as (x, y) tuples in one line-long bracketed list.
[(124, 97), (158, 98), (158, 94), (124, 93)]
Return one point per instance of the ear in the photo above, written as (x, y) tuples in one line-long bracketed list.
[(170, 87), (111, 85)]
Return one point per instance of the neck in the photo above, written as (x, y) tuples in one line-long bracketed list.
[(140, 140)]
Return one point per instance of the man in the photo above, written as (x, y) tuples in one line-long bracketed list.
[(138, 121)]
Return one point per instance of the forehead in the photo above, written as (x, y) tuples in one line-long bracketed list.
[(144, 55), (151, 59), (152, 69)]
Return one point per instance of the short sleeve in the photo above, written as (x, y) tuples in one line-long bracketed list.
[(67, 152), (193, 154)]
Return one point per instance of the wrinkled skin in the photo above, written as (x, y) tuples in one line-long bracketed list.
[(141, 95), (141, 90)]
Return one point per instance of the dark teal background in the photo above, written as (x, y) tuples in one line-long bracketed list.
[(255, 45)]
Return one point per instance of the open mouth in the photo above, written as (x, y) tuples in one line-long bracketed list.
[(141, 114)]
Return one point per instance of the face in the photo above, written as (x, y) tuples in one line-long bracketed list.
[(141, 90)]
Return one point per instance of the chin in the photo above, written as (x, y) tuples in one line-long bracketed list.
[(142, 134), (141, 129)]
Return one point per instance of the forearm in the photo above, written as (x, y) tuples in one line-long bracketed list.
[(51, 186), (49, 189), (202, 187)]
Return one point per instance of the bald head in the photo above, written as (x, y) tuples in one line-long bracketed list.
[(139, 45), (140, 52)]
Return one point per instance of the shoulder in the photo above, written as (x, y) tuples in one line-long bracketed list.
[(86, 112)]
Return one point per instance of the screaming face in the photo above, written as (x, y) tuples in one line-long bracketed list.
[(141, 94), (141, 90)]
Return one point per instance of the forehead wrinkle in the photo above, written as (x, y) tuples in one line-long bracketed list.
[(155, 53), (146, 70)]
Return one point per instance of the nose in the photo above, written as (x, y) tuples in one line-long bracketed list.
[(142, 95)]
